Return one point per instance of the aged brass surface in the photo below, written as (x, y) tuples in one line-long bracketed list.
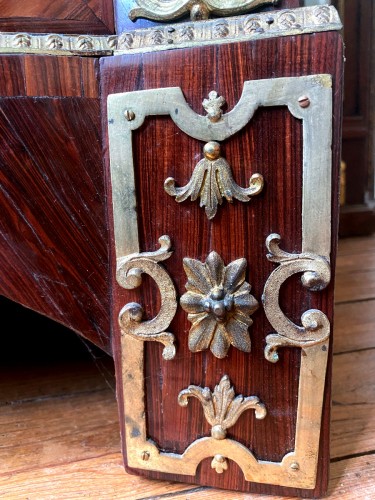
[(219, 305), (284, 22), (297, 468), (129, 275), (285, 473), (166, 10), (221, 407), (54, 44), (213, 106), (212, 180), (316, 276), (219, 463), (226, 30)]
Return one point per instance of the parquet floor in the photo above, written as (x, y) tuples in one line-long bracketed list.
[(59, 433)]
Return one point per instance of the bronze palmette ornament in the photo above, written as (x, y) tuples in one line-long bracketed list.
[(212, 181), (221, 407), (193, 224)]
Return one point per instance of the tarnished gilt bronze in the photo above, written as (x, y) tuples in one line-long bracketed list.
[(162, 10), (212, 181), (221, 407), (298, 467), (219, 305), (129, 275), (166, 37), (316, 276)]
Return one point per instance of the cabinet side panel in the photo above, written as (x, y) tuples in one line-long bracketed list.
[(272, 145)]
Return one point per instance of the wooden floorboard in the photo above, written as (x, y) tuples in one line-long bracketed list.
[(354, 326), (59, 431), (353, 404)]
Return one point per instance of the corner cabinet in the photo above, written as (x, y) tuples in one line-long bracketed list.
[(170, 192)]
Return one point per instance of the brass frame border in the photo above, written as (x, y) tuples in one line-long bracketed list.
[(298, 468)]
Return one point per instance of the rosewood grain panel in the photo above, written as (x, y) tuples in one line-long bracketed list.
[(162, 150), (53, 233), (65, 80), (12, 76), (64, 16), (51, 76), (90, 77), (236, 231)]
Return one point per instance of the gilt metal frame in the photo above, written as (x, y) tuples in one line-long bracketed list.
[(127, 112)]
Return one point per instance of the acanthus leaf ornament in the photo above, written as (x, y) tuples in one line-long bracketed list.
[(316, 276), (129, 275), (219, 305), (162, 10), (212, 181), (221, 407)]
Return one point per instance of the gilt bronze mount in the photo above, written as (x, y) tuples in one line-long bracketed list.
[(162, 10), (126, 113), (219, 305)]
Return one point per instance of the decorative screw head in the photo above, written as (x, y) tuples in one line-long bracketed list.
[(304, 101), (145, 455), (129, 115), (294, 466), (211, 150)]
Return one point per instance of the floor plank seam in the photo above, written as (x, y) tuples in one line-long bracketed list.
[(345, 302), (174, 494), (61, 464), (353, 351), (42, 399), (354, 455)]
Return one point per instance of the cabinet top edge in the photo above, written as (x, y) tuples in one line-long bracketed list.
[(287, 22)]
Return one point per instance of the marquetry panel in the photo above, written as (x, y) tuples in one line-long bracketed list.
[(64, 16)]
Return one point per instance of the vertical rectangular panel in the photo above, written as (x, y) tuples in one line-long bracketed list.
[(278, 124)]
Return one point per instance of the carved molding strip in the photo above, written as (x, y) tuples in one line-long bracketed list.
[(129, 275), (165, 37), (316, 276), (160, 10), (235, 29), (57, 44)]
